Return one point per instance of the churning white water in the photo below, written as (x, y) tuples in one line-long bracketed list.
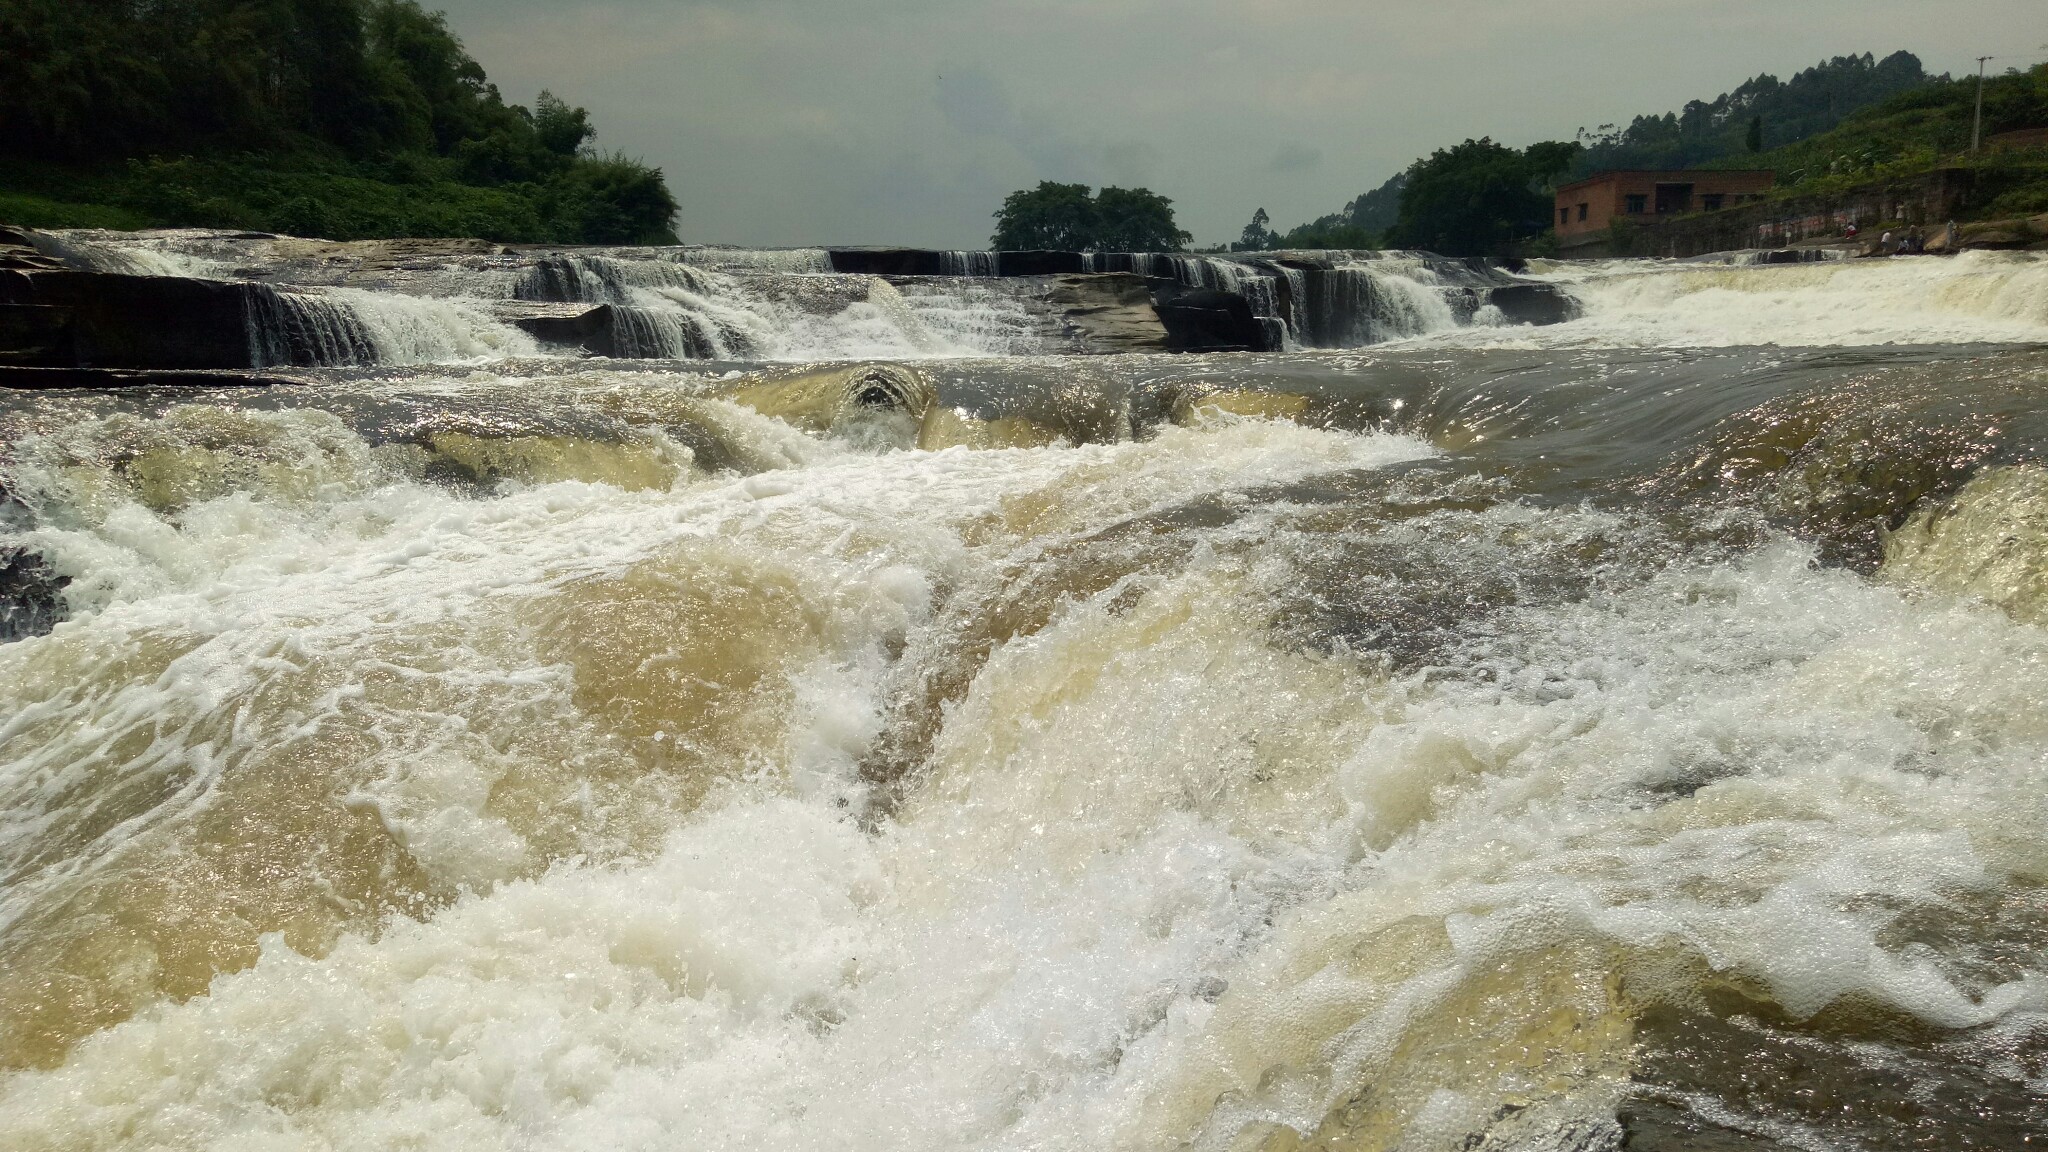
[(1988, 297), (1420, 748)]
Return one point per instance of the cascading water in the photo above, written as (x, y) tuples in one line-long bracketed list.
[(352, 328), (975, 264), (740, 304), (1562, 739)]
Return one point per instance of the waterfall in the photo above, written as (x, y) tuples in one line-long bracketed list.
[(1297, 304), (666, 334), (340, 328), (300, 329), (971, 264), (606, 280)]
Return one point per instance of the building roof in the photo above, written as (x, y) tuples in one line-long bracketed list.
[(1670, 175)]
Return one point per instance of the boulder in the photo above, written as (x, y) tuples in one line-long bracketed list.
[(120, 321), (1206, 320), (1108, 312), (1534, 303), (573, 327)]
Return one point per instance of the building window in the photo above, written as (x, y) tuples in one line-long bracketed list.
[(1637, 204), (1582, 212), (1711, 202), (1564, 215)]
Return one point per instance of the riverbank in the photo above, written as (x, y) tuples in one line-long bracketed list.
[(1984, 201)]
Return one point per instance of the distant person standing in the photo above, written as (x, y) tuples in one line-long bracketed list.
[(1884, 243)]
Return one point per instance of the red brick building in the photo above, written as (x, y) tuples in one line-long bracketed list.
[(1587, 208)]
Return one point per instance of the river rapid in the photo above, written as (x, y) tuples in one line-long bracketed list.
[(1628, 733)]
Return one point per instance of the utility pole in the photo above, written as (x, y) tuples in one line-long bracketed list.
[(1977, 127)]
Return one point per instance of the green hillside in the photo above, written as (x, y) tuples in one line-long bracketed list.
[(346, 119), (1921, 129), (1762, 111)]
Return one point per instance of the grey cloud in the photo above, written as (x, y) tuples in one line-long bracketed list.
[(1296, 158), (976, 103)]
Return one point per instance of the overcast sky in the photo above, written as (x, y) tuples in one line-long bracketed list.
[(789, 122)]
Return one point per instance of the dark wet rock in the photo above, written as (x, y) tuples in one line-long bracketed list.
[(35, 336), (31, 595), (928, 262), (888, 261), (1039, 263), (120, 321), (18, 252), (1534, 303), (1792, 256), (1205, 320), (569, 327), (1109, 313), (1734, 1081)]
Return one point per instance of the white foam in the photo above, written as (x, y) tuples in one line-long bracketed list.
[(424, 330), (1991, 297), (1169, 877), (161, 253)]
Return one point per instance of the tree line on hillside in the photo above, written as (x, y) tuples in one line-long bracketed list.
[(1464, 200), (198, 108), (1762, 113)]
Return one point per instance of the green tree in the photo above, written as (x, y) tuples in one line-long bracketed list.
[(1329, 232), (1071, 218), (1059, 217), (1376, 211), (1257, 236), (616, 200), (561, 129), (1753, 139), (1478, 197), (1136, 220)]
